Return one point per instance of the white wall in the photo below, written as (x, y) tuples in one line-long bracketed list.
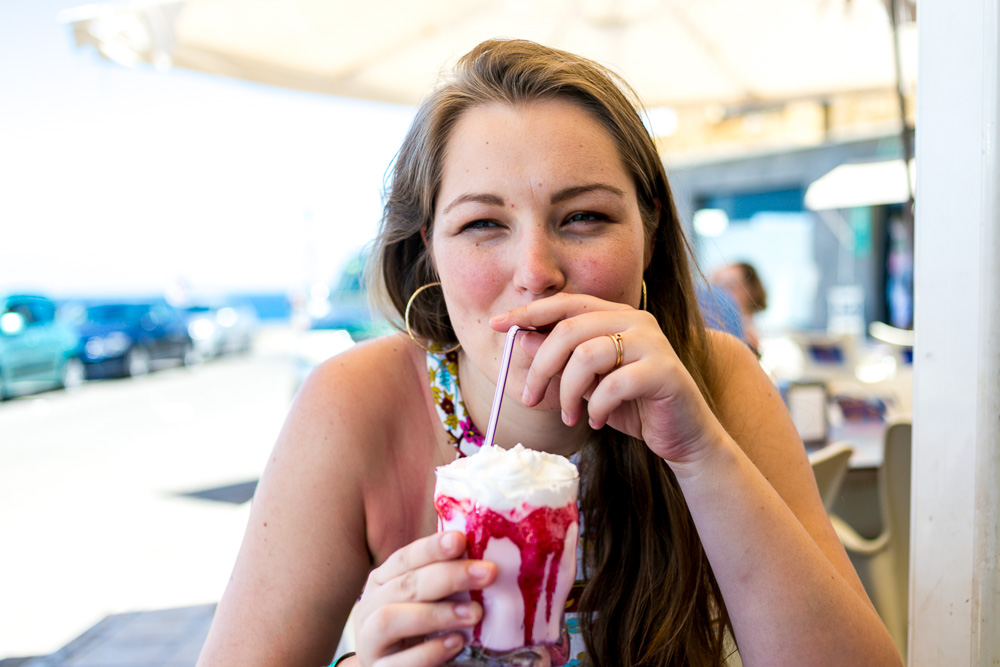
[(955, 589)]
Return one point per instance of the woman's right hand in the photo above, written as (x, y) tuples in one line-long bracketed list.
[(403, 617)]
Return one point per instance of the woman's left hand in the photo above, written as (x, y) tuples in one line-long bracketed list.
[(650, 395)]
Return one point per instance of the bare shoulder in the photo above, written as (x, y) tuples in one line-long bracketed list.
[(365, 373), (341, 408), (365, 407), (750, 407), (366, 421), (736, 380)]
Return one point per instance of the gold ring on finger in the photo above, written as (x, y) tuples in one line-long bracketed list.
[(616, 338)]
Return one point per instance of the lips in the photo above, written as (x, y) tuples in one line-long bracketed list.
[(533, 339)]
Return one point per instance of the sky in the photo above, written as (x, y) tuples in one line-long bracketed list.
[(116, 181)]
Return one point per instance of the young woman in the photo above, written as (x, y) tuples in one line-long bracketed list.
[(528, 192)]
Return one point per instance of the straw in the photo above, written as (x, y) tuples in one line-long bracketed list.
[(501, 381)]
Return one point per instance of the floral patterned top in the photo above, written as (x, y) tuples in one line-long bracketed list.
[(442, 371)]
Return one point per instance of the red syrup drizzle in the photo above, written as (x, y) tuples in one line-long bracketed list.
[(537, 536)]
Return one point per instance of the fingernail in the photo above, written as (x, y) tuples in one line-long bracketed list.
[(463, 610), (565, 418), (449, 541), (525, 396), (453, 641), (479, 571)]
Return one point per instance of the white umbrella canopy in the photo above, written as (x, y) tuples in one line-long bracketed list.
[(674, 52), (862, 184)]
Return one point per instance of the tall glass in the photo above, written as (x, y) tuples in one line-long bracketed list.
[(529, 528)]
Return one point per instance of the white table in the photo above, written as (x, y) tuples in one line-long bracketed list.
[(866, 437)]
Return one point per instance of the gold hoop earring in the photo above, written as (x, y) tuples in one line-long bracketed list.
[(643, 305), (406, 321)]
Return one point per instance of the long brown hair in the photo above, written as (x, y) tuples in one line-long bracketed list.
[(655, 599), (753, 285)]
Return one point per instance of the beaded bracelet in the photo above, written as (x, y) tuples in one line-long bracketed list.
[(343, 658)]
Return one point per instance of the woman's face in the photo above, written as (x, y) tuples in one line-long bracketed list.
[(534, 200), (731, 279)]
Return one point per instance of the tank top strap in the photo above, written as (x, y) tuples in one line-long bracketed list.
[(442, 372)]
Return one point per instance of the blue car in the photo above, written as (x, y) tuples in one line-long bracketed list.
[(131, 339), (37, 349)]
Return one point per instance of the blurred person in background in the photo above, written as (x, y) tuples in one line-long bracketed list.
[(743, 283)]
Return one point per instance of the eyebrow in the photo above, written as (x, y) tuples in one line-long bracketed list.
[(476, 197), (577, 190), (557, 197)]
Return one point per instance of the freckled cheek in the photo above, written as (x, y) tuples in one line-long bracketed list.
[(613, 280), (472, 287)]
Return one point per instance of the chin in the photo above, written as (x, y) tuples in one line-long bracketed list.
[(550, 403)]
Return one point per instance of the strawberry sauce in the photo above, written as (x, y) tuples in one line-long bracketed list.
[(540, 538)]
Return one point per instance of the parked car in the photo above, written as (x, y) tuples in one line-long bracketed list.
[(130, 339), (347, 306), (37, 349), (337, 321), (221, 327)]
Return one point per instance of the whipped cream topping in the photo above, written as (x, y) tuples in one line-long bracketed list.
[(505, 479)]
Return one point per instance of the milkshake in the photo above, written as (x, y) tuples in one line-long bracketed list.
[(517, 508)]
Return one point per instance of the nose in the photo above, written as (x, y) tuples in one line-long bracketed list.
[(538, 266)]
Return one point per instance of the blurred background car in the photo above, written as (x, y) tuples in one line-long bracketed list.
[(335, 319), (346, 306), (37, 348), (131, 339), (219, 327)]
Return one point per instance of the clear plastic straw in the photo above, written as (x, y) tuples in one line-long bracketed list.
[(501, 381)]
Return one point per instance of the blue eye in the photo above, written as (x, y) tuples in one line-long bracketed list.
[(586, 217), (480, 224)]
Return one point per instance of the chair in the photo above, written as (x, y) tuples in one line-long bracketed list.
[(829, 465), (808, 403), (883, 563)]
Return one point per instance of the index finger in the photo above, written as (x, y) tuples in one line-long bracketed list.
[(550, 310), (431, 549)]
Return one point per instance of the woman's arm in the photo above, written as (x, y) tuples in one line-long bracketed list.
[(304, 556), (792, 593)]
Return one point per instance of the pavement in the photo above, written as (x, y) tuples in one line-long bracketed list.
[(132, 497), (153, 638), (130, 500), (160, 638)]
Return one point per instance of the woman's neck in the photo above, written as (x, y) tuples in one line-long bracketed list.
[(542, 430)]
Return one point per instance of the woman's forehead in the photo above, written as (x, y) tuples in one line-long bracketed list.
[(551, 136), (549, 114)]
